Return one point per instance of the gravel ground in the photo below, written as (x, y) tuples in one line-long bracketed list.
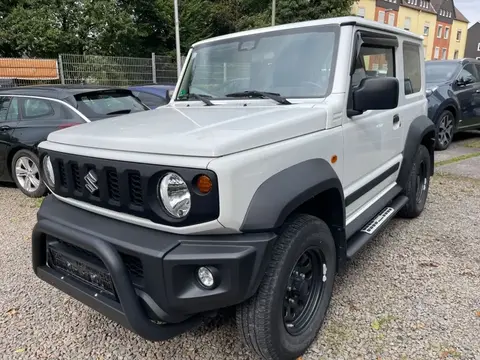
[(413, 293)]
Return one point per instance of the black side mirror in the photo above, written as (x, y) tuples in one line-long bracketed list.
[(464, 81), (375, 93)]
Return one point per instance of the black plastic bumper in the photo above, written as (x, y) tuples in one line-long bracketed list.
[(163, 286)]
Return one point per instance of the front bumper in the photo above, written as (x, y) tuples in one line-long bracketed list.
[(154, 291)]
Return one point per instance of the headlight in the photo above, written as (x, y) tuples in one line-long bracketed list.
[(48, 171), (174, 194)]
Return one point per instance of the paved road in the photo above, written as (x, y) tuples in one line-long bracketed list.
[(413, 293)]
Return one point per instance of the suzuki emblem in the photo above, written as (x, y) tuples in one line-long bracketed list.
[(91, 181)]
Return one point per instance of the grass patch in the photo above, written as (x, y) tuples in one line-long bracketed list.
[(38, 202), (457, 159), (472, 144), (379, 323)]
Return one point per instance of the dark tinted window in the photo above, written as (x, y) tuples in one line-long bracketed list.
[(37, 108), (436, 71), (411, 68), (4, 105), (99, 104), (13, 111), (468, 73), (150, 100)]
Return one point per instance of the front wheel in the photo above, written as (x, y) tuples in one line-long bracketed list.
[(26, 174), (445, 127), (283, 318)]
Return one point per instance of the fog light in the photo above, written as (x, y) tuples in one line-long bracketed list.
[(206, 277)]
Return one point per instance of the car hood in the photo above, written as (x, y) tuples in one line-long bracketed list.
[(433, 84), (207, 131)]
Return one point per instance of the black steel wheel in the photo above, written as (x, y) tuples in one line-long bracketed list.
[(283, 318), (416, 189), (303, 291)]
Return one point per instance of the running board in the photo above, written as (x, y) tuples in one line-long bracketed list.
[(365, 234)]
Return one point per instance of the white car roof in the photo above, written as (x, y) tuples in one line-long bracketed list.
[(342, 21)]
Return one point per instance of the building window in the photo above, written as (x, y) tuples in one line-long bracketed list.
[(381, 17), (478, 47), (455, 54), (426, 29), (437, 52), (459, 35), (407, 23), (361, 12), (439, 31), (444, 54), (391, 19), (447, 32), (412, 68)]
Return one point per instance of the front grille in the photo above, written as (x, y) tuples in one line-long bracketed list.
[(111, 183)]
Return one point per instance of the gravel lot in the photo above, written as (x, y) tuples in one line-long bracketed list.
[(413, 293)]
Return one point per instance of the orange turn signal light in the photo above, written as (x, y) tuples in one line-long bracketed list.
[(204, 184)]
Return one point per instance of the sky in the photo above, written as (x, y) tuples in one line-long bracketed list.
[(469, 8)]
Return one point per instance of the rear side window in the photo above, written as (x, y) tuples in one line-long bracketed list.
[(412, 68), (13, 111), (99, 104), (37, 108), (373, 61)]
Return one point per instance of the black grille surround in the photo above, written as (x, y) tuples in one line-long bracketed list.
[(131, 188)]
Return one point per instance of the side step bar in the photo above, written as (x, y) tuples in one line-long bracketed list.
[(364, 235)]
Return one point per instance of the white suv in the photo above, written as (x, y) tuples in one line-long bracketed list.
[(283, 151)]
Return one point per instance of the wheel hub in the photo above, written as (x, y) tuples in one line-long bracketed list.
[(303, 291)]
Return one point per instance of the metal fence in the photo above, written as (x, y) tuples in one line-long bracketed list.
[(89, 69)]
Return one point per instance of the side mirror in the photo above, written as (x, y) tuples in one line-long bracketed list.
[(375, 93)]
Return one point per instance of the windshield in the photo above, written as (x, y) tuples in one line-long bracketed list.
[(101, 104), (292, 63), (438, 72)]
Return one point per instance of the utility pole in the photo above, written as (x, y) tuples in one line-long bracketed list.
[(274, 5), (177, 38)]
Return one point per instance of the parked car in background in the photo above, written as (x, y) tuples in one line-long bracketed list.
[(453, 92), (153, 95), (29, 114)]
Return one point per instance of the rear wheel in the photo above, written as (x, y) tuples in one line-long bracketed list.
[(418, 184), (445, 127), (26, 174), (284, 317)]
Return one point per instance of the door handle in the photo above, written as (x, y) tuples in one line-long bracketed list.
[(5, 128), (396, 119)]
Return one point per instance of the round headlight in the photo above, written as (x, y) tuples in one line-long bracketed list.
[(48, 171), (174, 195)]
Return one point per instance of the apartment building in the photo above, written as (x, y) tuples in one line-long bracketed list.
[(442, 25)]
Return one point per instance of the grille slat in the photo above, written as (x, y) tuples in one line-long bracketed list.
[(76, 177), (113, 185), (135, 187)]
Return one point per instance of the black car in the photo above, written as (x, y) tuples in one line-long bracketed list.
[(453, 92), (29, 114)]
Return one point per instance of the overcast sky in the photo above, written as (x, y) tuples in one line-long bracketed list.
[(469, 8)]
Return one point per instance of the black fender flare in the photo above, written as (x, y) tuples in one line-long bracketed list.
[(278, 196), (421, 130)]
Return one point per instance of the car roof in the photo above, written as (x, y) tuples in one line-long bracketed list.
[(153, 89), (463, 61), (341, 21), (55, 91)]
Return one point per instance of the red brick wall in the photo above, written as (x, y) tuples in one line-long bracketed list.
[(441, 42)]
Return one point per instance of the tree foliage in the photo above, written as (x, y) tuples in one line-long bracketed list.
[(45, 28)]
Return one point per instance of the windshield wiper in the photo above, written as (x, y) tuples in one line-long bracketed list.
[(123, 111), (261, 94), (200, 97)]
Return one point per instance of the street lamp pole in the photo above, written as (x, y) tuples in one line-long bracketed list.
[(274, 5), (177, 38)]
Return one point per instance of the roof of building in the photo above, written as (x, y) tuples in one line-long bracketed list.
[(459, 16), (422, 5)]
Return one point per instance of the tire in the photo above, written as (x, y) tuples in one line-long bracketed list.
[(445, 129), (27, 163), (418, 184), (260, 319)]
